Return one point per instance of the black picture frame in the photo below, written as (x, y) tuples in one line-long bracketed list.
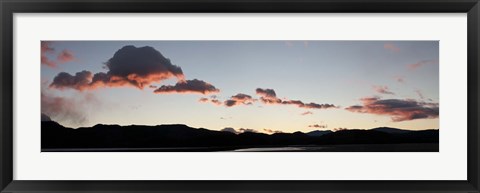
[(9, 7)]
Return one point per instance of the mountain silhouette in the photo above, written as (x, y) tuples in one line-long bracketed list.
[(56, 136), (390, 130), (45, 118), (318, 133)]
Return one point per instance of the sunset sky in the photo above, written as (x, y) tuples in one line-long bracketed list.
[(265, 86)]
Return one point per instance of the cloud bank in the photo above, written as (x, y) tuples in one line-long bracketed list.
[(79, 81), (268, 96), (188, 86), (239, 99), (235, 100), (397, 109), (135, 67), (129, 66)]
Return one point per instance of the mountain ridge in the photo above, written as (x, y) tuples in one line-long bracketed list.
[(55, 135)]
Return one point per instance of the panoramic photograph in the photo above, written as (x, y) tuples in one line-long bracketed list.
[(239, 96)]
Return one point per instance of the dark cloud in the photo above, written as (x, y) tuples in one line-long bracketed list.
[(339, 129), (317, 106), (142, 66), (270, 131), (230, 103), (293, 102), (137, 67), (79, 81), (270, 93), (103, 79), (239, 99), (213, 99), (131, 66), (268, 96), (318, 126), (397, 109), (241, 130), (382, 89), (188, 86), (246, 130), (203, 100)]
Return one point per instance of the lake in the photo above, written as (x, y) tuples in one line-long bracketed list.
[(412, 147)]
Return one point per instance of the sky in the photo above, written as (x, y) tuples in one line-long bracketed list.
[(263, 86)]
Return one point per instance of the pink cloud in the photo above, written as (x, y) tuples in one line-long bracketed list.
[(419, 64), (132, 67), (235, 100), (129, 66), (392, 47), (80, 81), (65, 56), (239, 99), (268, 96), (188, 86), (46, 48), (382, 90), (397, 109), (213, 99)]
